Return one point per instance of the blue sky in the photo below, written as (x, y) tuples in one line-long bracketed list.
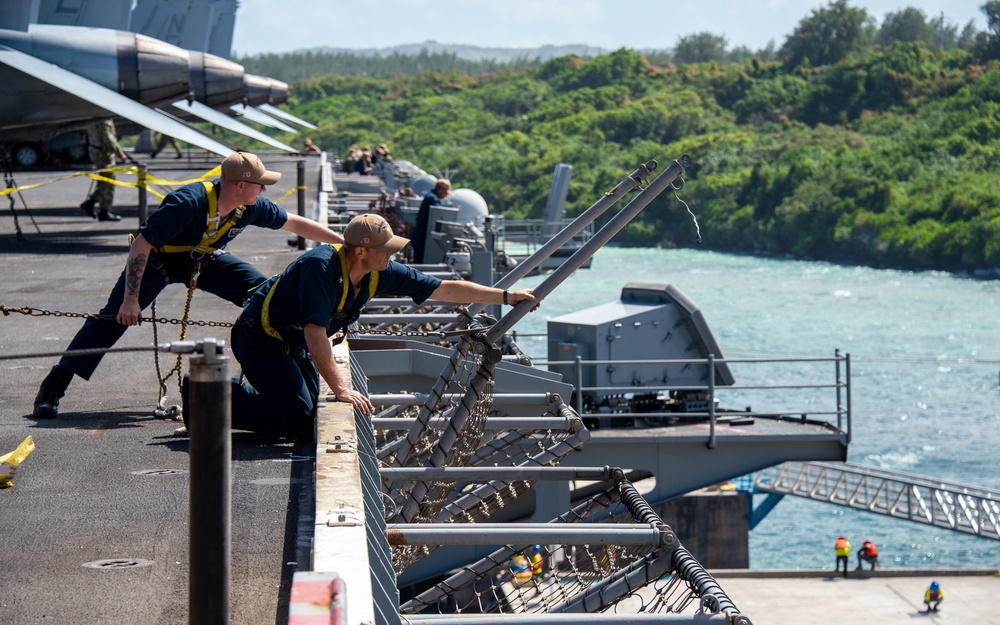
[(608, 24)]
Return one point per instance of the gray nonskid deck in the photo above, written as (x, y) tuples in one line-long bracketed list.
[(108, 483)]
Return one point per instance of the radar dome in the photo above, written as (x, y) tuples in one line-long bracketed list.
[(422, 184), (472, 207)]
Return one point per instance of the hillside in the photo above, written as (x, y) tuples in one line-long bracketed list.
[(888, 158)]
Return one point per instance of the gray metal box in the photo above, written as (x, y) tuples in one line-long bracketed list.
[(649, 322)]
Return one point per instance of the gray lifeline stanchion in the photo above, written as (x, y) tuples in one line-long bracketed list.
[(210, 530), (300, 181), (141, 182)]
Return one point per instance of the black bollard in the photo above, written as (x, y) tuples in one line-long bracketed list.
[(209, 426)]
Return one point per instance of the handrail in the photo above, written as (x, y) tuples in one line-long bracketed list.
[(960, 507), (841, 385)]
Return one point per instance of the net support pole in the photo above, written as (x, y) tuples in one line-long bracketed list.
[(474, 396), (564, 236), (600, 238)]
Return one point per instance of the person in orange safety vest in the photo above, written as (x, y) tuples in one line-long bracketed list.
[(869, 554)]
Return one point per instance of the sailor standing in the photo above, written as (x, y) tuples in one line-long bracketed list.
[(842, 548), (104, 152), (440, 191)]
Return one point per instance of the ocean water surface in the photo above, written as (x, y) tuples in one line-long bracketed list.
[(925, 352)]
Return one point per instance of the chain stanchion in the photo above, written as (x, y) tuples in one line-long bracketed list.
[(162, 411)]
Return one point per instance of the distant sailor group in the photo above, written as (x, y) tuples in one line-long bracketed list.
[(282, 336)]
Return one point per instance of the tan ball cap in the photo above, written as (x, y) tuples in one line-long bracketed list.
[(247, 167), (373, 231)]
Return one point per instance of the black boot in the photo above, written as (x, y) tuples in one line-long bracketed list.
[(87, 206), (108, 216), (51, 391)]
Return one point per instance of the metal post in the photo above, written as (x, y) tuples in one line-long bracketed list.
[(211, 498), (565, 235), (300, 180), (484, 474), (141, 184), (600, 238), (847, 370), (579, 385), (711, 401), (525, 533), (840, 406)]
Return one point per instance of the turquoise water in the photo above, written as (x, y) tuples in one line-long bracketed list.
[(925, 350)]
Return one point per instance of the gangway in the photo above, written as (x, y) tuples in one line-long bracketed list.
[(959, 507)]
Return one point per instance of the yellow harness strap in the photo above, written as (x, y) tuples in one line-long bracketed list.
[(212, 230), (265, 311)]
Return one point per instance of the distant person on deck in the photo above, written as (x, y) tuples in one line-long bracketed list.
[(418, 236), (381, 155), (843, 549), (162, 141), (364, 165), (353, 154), (310, 148), (868, 553), (104, 152)]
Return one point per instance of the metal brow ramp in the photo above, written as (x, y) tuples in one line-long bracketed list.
[(966, 509)]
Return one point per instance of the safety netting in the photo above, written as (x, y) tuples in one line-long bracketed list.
[(658, 577)]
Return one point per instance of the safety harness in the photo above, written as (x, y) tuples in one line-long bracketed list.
[(213, 233), (265, 311)]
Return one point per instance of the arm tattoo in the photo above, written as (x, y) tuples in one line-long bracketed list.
[(133, 274)]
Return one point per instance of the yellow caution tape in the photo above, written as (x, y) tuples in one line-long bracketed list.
[(130, 169), (150, 180), (290, 191), (10, 462), (40, 184)]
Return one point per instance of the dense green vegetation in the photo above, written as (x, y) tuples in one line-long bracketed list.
[(883, 154)]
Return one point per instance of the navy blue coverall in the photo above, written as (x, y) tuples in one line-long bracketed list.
[(180, 221), (282, 387)]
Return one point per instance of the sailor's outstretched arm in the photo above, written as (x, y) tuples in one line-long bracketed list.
[(466, 292), (312, 230)]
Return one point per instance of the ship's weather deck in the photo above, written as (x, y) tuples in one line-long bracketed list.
[(385, 519)]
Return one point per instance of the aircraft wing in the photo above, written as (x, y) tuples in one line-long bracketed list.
[(261, 118), (213, 116), (109, 100), (276, 112)]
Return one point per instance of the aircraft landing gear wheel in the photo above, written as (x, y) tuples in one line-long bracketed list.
[(27, 155)]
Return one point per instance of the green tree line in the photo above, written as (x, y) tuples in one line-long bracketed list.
[(884, 154)]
